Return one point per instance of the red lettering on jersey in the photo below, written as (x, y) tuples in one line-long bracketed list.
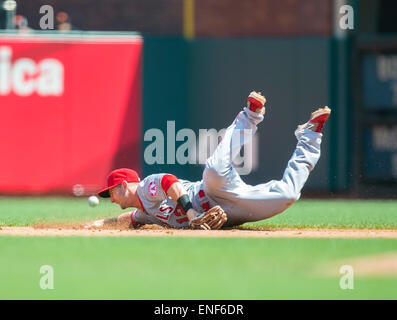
[(179, 211), (161, 217), (166, 209), (182, 220)]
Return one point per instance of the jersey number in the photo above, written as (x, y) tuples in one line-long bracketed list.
[(178, 213)]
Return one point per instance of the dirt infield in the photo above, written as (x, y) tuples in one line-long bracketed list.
[(75, 230)]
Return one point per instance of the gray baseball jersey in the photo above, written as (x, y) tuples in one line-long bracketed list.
[(160, 209), (222, 185)]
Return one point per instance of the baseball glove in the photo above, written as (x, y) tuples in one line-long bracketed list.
[(213, 219)]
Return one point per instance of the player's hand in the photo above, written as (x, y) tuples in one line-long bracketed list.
[(95, 224)]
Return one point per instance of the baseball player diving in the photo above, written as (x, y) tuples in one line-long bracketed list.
[(221, 198)]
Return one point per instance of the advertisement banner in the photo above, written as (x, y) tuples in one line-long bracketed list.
[(71, 111)]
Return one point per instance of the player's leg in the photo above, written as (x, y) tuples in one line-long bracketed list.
[(219, 174), (263, 201)]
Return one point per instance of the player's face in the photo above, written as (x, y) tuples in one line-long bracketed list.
[(119, 195)]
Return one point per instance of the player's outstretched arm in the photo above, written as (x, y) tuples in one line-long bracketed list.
[(122, 220)]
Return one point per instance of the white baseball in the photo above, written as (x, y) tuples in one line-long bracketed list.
[(93, 201)]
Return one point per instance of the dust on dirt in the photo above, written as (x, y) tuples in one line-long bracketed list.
[(75, 229)]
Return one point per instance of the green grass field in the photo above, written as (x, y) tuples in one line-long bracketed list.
[(193, 268), (372, 214)]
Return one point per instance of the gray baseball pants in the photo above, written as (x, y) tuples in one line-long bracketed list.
[(246, 203)]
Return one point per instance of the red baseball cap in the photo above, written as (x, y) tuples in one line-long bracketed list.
[(116, 177)]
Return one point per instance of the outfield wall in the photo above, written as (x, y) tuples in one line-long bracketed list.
[(94, 123), (203, 84), (71, 111)]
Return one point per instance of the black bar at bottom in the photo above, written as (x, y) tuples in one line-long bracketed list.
[(200, 309)]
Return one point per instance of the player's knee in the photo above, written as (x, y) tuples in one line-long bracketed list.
[(291, 197), (288, 199), (289, 194), (289, 202)]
